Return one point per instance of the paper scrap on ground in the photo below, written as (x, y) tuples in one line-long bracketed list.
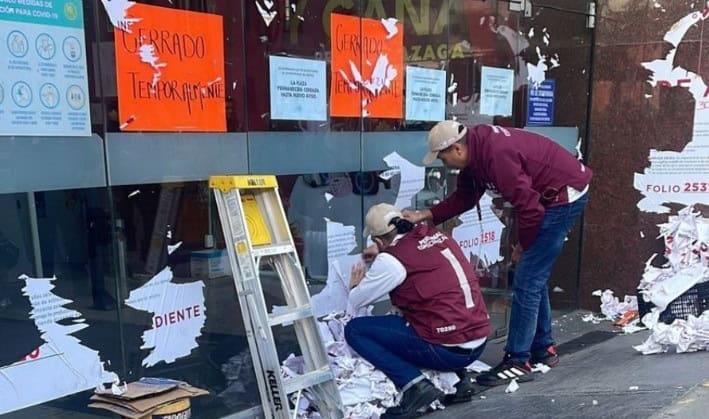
[(512, 387), (681, 336), (480, 239), (479, 366), (365, 392), (411, 179), (612, 308), (59, 367), (178, 312)]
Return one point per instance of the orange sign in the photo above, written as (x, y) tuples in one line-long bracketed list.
[(367, 67), (170, 71)]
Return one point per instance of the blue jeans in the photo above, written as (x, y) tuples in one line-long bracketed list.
[(392, 346), (530, 320)]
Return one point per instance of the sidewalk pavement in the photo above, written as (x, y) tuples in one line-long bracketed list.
[(597, 378)]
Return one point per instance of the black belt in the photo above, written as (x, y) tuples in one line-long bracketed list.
[(459, 350)]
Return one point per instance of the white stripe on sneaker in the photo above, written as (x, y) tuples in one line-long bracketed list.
[(509, 374), (516, 371), (501, 375)]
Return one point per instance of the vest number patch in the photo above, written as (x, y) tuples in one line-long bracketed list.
[(462, 279)]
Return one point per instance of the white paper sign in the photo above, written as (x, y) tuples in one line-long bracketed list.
[(298, 89), (679, 177), (44, 84), (496, 87), (62, 365), (411, 180), (178, 316), (480, 238), (425, 94)]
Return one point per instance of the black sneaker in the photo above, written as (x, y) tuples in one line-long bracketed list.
[(465, 389), (505, 372), (546, 356), (419, 396)]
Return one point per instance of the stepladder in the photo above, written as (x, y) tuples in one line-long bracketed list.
[(258, 237)]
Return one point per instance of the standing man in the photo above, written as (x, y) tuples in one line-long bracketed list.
[(548, 188), (445, 323)]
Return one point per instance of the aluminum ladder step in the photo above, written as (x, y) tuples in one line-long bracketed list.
[(272, 250), (290, 316), (309, 379)]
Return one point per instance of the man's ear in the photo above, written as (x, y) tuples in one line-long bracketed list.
[(379, 242)]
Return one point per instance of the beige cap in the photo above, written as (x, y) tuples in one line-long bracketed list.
[(378, 218), (443, 135)]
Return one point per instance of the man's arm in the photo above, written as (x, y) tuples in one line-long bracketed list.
[(385, 274), (515, 185), (465, 197)]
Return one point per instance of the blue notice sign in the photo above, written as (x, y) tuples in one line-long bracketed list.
[(540, 103)]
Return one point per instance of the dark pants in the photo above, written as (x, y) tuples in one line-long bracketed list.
[(530, 320), (393, 347)]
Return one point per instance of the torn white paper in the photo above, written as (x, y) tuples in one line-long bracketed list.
[(117, 11), (265, 11), (480, 238), (59, 367), (147, 55), (478, 366), (366, 392), (681, 336), (390, 26), (178, 316), (678, 177), (411, 179), (512, 387)]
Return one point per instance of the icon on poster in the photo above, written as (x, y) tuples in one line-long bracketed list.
[(75, 97), (72, 48), (49, 95), (17, 44), (70, 11), (22, 94), (45, 46)]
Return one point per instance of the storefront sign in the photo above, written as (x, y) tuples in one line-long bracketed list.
[(170, 71), (298, 89), (540, 103), (425, 94), (44, 85), (497, 85), (367, 67)]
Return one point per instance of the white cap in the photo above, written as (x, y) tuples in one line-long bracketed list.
[(443, 135), (378, 218)]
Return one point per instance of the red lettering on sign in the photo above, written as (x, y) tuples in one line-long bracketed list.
[(176, 316)]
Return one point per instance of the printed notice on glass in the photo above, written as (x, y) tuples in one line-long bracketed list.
[(44, 84), (496, 87), (425, 94), (298, 89)]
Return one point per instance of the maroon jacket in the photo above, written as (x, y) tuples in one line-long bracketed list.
[(440, 296), (529, 170)]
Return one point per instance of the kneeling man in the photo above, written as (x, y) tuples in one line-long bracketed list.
[(445, 323)]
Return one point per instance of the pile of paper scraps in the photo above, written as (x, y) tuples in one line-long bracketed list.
[(366, 392), (686, 237), (624, 314)]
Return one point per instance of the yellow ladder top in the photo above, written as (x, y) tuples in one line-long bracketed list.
[(229, 182)]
